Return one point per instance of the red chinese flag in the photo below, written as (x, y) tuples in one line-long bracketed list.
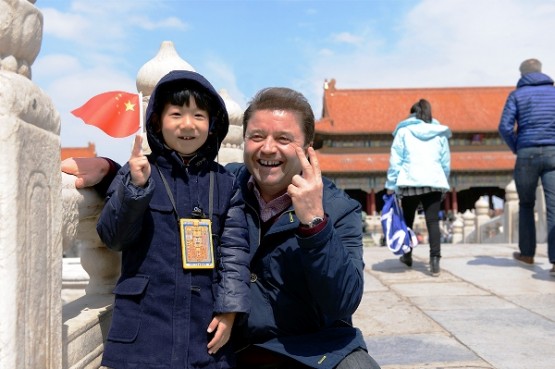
[(115, 112)]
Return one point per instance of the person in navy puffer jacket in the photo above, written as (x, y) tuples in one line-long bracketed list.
[(528, 127)]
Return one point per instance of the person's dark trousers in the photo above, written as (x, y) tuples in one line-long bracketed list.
[(358, 359), (533, 164), (431, 202)]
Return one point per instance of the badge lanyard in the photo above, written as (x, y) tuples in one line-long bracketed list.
[(197, 248)]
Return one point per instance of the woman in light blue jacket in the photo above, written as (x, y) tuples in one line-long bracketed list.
[(419, 167)]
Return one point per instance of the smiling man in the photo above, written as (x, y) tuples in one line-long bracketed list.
[(306, 245), (305, 241)]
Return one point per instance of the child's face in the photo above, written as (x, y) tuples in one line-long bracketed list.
[(185, 129)]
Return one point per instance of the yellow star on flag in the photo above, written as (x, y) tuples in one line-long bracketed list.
[(129, 106)]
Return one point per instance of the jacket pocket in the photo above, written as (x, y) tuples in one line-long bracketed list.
[(126, 319), (160, 206)]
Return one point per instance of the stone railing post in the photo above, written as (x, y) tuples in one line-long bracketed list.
[(469, 236), (482, 216), (81, 209), (457, 231), (510, 214), (541, 216)]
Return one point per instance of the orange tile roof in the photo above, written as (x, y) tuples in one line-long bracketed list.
[(375, 111), (86, 152), (471, 161)]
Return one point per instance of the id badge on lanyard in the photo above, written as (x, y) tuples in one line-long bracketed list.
[(197, 249)]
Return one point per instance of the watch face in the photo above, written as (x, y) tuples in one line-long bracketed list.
[(315, 222)]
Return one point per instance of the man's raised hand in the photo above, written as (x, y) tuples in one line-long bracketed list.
[(89, 171), (306, 189), (139, 166)]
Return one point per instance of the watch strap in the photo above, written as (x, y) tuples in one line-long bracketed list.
[(305, 231)]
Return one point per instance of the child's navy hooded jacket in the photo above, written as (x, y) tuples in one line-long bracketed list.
[(162, 311)]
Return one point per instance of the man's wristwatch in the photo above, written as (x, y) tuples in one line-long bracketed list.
[(314, 222)]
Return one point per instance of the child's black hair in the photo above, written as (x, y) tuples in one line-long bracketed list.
[(179, 93)]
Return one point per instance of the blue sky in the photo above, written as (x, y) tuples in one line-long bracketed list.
[(93, 46)]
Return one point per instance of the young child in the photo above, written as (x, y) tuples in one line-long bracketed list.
[(179, 221)]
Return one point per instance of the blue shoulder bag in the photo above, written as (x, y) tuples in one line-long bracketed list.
[(399, 238)]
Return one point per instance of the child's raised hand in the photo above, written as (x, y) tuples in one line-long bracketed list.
[(222, 324), (138, 163)]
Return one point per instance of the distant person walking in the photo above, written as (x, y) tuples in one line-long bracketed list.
[(419, 167), (528, 127)]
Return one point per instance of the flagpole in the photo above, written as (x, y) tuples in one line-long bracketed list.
[(141, 117)]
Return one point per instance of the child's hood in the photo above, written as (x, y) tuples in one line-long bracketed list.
[(219, 120)]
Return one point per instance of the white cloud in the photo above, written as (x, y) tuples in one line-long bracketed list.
[(107, 25), (445, 43), (346, 37), (170, 23), (85, 29), (114, 9), (55, 65), (222, 76), (63, 25), (311, 11), (325, 52)]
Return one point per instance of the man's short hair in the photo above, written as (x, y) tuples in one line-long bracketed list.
[(283, 98), (530, 66)]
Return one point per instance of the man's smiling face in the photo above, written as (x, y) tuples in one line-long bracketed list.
[(269, 153)]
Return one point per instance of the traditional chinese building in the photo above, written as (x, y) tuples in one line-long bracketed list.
[(79, 152), (354, 137)]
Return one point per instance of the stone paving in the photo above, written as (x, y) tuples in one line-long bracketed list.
[(485, 310)]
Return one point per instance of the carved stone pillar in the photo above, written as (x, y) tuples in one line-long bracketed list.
[(30, 200)]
